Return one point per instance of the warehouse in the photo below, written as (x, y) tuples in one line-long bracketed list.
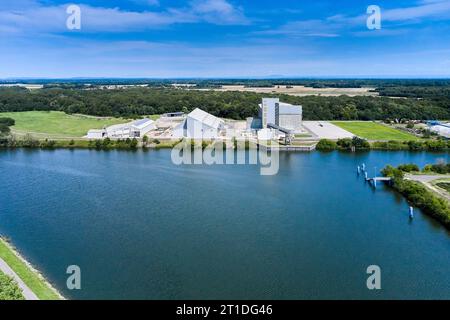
[(200, 125), (442, 129), (135, 129)]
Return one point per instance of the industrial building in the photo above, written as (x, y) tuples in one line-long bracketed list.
[(135, 129), (200, 125), (272, 112), (442, 129)]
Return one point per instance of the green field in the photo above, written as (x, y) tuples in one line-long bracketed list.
[(374, 131), (54, 124), (36, 283)]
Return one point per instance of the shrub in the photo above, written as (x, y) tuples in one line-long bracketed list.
[(326, 144), (9, 122), (360, 143), (4, 129), (30, 142), (411, 167), (48, 144), (345, 143), (9, 290)]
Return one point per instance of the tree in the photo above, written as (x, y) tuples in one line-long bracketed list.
[(4, 129), (9, 290), (360, 143), (345, 143), (134, 143), (411, 167), (7, 121), (30, 142), (326, 144)]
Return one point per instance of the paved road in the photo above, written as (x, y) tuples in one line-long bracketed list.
[(27, 293), (426, 178), (326, 130)]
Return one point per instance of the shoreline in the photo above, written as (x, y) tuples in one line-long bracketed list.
[(305, 148), (14, 251)]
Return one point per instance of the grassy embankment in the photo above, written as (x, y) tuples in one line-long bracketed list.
[(29, 276), (375, 131), (377, 136), (54, 129), (56, 125), (443, 184)]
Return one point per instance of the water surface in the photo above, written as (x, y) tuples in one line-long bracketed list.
[(142, 228)]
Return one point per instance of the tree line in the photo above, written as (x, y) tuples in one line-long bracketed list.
[(418, 195), (137, 101)]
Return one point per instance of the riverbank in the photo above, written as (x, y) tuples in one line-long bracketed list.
[(355, 144), (418, 195), (362, 144), (32, 278)]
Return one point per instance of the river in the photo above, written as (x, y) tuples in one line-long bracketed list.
[(140, 227)]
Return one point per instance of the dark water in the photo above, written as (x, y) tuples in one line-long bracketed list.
[(140, 227)]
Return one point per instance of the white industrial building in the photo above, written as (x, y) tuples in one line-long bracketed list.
[(135, 129), (441, 129), (96, 134), (272, 112), (200, 125)]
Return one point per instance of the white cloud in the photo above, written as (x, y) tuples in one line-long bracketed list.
[(31, 17), (334, 26), (220, 11), (429, 9)]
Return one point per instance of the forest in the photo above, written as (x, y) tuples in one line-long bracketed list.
[(425, 103)]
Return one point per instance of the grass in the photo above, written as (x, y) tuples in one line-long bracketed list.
[(55, 124), (443, 184), (154, 117), (374, 131), (303, 135), (33, 280)]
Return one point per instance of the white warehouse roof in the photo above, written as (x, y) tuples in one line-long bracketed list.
[(141, 124), (206, 118)]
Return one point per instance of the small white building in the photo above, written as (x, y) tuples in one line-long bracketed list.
[(135, 129), (200, 125), (96, 134), (140, 128)]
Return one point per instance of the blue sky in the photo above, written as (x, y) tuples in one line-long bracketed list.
[(224, 38)]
